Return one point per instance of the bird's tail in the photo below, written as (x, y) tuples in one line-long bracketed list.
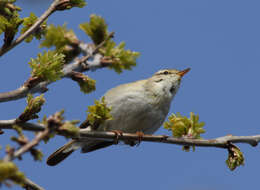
[(62, 153), (87, 146)]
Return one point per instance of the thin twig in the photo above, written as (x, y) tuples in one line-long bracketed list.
[(8, 124), (85, 58), (78, 65), (28, 146), (30, 185), (32, 29), (220, 142)]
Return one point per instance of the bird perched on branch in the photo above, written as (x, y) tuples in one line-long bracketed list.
[(140, 106)]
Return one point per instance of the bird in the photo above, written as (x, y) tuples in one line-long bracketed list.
[(140, 106)]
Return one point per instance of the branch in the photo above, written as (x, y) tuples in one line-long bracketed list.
[(32, 29), (78, 65), (8, 124), (28, 146), (220, 142), (30, 185)]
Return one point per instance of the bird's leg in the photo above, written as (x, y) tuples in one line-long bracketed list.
[(140, 137), (117, 134)]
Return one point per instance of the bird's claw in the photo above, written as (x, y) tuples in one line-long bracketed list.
[(117, 134), (140, 137)]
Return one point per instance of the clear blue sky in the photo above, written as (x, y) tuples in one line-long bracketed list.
[(219, 40)]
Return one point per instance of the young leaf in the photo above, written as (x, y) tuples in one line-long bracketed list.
[(183, 127), (98, 113), (235, 157), (69, 129), (86, 84), (28, 22), (33, 107), (96, 29), (72, 3), (119, 57), (59, 37), (47, 66), (9, 171)]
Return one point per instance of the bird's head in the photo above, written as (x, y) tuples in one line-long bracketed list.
[(166, 82)]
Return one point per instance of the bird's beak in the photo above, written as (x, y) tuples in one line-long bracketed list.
[(183, 72)]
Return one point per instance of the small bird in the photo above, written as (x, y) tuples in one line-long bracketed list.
[(140, 106)]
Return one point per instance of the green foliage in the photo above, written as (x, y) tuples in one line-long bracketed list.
[(47, 66), (118, 57), (37, 154), (9, 20), (33, 107), (10, 26), (183, 127), (9, 171), (45, 123), (78, 3), (72, 3), (86, 84), (7, 7), (69, 129), (28, 22), (4, 24), (96, 29), (98, 113), (58, 36), (235, 157), (18, 129)]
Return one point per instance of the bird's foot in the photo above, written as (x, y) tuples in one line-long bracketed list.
[(117, 134), (140, 137)]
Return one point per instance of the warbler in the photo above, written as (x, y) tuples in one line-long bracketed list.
[(140, 106)]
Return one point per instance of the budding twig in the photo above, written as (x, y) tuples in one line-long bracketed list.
[(78, 65), (32, 29)]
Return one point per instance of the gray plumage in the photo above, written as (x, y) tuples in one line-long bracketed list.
[(140, 106)]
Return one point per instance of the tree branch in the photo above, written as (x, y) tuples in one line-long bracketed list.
[(220, 142), (28, 146), (8, 124), (78, 65), (30, 185), (32, 29)]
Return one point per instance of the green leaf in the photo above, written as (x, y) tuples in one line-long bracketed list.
[(96, 29), (58, 36), (183, 127), (86, 84), (9, 25), (235, 157), (28, 22), (69, 129), (72, 3), (7, 7), (119, 57), (47, 66), (37, 154), (9, 171), (98, 113), (33, 107)]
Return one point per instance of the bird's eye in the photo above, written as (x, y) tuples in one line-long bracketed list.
[(166, 72)]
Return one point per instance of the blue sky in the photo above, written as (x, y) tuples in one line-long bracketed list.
[(219, 40)]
